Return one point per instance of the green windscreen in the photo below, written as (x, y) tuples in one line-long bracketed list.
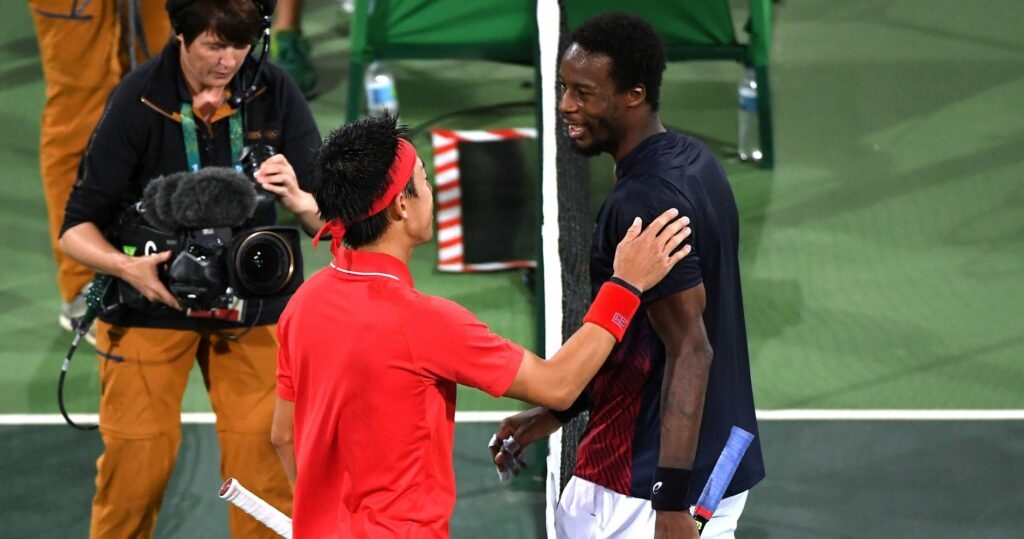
[(505, 30), (680, 23), (502, 30)]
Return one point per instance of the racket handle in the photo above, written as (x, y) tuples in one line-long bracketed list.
[(721, 475), (234, 492)]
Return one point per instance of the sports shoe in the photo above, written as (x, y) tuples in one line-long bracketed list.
[(72, 311), (290, 50)]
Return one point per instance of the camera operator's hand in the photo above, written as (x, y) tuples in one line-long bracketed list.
[(142, 273), (85, 243), (277, 176)]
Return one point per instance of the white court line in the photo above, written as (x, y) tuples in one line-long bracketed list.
[(494, 417), (889, 415)]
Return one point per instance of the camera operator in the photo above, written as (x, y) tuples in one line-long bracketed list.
[(195, 105)]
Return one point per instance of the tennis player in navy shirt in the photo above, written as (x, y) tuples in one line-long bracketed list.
[(662, 406)]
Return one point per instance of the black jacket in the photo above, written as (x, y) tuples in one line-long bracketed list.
[(139, 138)]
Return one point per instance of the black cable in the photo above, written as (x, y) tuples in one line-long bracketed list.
[(94, 304), (255, 319), (80, 330), (236, 101)]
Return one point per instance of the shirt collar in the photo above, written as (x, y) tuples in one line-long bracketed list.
[(638, 154), (371, 265)]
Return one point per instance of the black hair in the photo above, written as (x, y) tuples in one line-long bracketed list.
[(239, 22), (351, 169), (635, 48)]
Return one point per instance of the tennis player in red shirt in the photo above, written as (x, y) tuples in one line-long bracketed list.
[(368, 367)]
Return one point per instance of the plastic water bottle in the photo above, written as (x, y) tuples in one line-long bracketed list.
[(749, 144), (380, 89), (349, 6)]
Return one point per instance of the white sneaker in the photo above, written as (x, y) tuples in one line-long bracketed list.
[(72, 311)]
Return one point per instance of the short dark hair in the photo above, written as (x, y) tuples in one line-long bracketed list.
[(239, 22), (635, 48), (351, 169)]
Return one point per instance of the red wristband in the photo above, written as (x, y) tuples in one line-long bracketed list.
[(613, 308)]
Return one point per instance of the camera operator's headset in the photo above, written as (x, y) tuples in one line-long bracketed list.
[(266, 7), (101, 285)]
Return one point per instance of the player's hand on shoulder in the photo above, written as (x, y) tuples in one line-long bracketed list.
[(646, 254)]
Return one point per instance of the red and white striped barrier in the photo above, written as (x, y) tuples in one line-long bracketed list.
[(447, 180)]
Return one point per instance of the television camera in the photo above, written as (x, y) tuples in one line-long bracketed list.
[(201, 217)]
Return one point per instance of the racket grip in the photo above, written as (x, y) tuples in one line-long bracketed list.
[(234, 492), (721, 475)]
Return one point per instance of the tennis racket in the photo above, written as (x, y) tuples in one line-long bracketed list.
[(737, 444), (262, 511)]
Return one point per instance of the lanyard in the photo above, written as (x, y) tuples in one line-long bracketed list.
[(188, 130)]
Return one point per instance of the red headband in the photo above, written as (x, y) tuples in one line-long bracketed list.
[(398, 175)]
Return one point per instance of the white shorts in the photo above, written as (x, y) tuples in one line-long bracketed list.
[(590, 511)]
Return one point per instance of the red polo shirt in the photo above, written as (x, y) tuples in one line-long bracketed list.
[(372, 366)]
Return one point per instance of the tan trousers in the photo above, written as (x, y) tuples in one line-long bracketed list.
[(143, 373), (80, 48)]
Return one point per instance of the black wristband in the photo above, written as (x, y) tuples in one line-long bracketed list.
[(669, 490), (625, 285)]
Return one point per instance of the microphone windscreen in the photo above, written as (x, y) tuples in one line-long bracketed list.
[(214, 197), (156, 201)]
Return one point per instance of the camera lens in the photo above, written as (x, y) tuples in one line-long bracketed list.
[(264, 263)]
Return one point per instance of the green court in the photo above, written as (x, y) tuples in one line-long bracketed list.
[(883, 266)]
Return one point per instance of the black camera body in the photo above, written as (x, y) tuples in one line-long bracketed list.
[(211, 268), (251, 157), (202, 218)]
